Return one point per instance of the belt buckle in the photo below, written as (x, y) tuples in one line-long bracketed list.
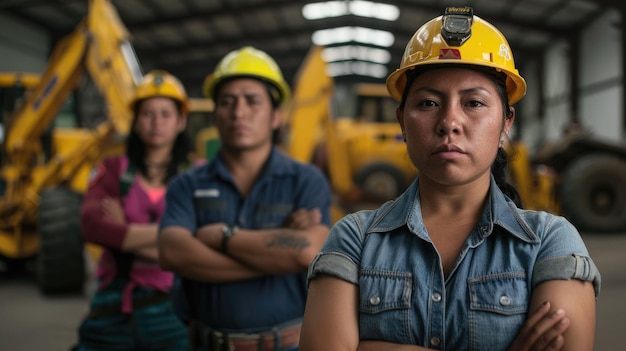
[(233, 341), (219, 342)]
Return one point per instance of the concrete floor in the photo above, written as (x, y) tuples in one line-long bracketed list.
[(30, 321)]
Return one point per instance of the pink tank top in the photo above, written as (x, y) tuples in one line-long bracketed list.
[(155, 194)]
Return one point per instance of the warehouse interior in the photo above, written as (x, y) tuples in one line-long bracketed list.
[(570, 52)]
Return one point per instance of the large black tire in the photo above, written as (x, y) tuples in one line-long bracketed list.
[(380, 181), (593, 193), (60, 261), (14, 266)]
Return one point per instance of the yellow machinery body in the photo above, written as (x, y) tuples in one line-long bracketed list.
[(47, 152), (364, 156)]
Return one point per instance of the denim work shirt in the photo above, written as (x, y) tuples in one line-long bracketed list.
[(481, 305), (208, 194)]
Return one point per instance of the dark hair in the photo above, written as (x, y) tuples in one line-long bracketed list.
[(499, 168), (136, 149)]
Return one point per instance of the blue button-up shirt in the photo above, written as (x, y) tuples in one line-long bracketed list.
[(481, 305), (208, 194)]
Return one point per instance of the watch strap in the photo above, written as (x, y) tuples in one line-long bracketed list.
[(228, 231)]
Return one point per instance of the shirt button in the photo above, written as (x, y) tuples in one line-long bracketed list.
[(435, 341), (375, 300), (505, 300), (436, 297)]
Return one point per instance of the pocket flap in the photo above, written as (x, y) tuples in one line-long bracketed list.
[(384, 290), (505, 293)]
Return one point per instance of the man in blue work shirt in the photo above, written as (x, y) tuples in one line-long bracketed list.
[(242, 229)]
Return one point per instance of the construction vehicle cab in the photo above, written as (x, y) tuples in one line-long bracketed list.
[(379, 163), (355, 139), (76, 113)]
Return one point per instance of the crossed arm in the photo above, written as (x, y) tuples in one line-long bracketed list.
[(251, 253), (106, 212), (562, 318)]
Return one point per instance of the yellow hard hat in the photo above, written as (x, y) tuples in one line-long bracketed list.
[(248, 62), (458, 38), (161, 83)]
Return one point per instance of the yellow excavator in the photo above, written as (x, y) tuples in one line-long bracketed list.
[(71, 116), (364, 156)]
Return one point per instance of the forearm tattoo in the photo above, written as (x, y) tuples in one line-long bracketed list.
[(288, 241)]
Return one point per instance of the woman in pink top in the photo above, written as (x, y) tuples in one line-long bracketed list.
[(132, 306)]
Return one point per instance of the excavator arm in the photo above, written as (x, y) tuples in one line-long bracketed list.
[(100, 43), (310, 110), (112, 63), (100, 47), (66, 65)]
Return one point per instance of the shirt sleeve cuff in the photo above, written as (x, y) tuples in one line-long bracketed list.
[(567, 267), (335, 265)]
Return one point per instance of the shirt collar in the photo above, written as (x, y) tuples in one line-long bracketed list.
[(500, 211), (277, 163)]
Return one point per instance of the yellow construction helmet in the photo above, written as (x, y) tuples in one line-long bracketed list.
[(459, 38), (248, 62), (161, 83)]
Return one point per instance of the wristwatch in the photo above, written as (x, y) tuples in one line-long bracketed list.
[(228, 230)]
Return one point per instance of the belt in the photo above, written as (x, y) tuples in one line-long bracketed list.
[(116, 309), (273, 340)]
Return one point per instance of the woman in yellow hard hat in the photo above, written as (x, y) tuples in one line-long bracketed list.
[(454, 263), (132, 306)]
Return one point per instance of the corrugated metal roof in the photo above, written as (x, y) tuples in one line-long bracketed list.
[(188, 37)]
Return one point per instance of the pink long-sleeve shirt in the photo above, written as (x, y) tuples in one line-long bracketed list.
[(97, 228)]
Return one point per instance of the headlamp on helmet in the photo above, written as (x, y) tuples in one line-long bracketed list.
[(458, 37), (457, 25)]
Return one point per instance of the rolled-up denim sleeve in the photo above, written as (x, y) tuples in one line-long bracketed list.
[(564, 256), (568, 267), (340, 255), (334, 264)]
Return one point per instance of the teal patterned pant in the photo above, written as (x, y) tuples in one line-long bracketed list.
[(147, 328)]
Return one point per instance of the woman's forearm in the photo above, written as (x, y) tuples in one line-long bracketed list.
[(139, 236)]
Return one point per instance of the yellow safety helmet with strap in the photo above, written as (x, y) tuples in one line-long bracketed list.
[(161, 83), (458, 38), (248, 62)]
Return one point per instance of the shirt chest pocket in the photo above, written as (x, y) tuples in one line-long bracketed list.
[(498, 303), (272, 215), (211, 210), (384, 305)]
